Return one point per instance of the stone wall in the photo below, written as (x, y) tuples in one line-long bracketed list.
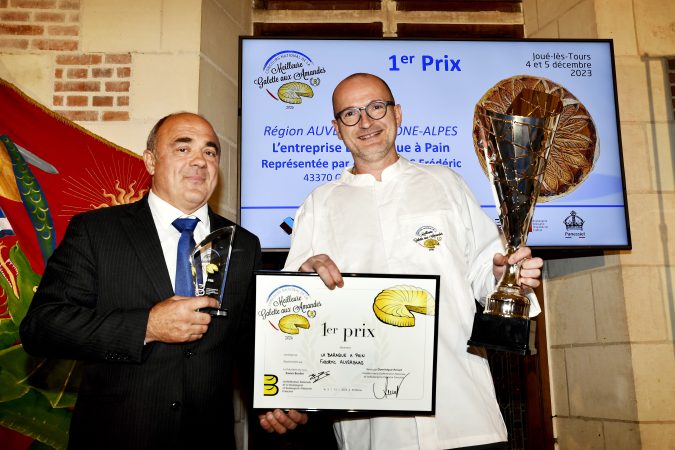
[(610, 318)]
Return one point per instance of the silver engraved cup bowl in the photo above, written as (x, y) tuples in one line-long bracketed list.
[(516, 150)]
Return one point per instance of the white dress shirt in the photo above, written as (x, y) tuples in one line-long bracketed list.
[(163, 215)]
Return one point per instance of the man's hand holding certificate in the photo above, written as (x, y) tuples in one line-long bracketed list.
[(368, 346)]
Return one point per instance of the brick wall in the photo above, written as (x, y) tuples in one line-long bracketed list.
[(92, 86), (39, 24), (87, 86)]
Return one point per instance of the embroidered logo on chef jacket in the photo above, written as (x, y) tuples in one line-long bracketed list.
[(428, 237)]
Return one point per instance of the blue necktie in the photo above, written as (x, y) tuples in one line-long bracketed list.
[(184, 285)]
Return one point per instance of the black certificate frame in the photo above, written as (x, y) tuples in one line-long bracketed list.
[(283, 294)]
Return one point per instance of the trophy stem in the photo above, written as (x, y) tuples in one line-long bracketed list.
[(507, 300)]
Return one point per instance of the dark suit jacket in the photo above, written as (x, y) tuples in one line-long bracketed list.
[(93, 304)]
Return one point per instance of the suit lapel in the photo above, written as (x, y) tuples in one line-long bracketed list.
[(142, 233)]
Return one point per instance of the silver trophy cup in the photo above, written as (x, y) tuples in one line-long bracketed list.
[(516, 147), (210, 262)]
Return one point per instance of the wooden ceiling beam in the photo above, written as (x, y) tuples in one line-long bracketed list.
[(439, 17)]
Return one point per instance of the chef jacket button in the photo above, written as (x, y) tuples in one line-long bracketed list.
[(175, 405), (188, 353)]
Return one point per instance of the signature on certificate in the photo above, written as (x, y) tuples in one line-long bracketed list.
[(317, 376), (389, 389)]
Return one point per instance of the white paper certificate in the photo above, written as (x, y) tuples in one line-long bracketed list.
[(368, 346)]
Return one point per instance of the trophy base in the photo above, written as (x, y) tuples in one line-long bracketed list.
[(214, 311), (504, 334), (508, 302)]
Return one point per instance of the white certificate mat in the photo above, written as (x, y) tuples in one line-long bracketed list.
[(368, 346)]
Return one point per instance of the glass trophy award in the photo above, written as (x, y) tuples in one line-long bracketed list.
[(210, 262), (516, 149)]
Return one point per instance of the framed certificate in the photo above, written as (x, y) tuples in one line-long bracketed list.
[(368, 346)]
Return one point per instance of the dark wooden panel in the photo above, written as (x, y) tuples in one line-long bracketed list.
[(459, 31), (539, 428), (317, 5), (470, 5), (323, 30)]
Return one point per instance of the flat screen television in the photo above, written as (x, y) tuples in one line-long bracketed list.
[(288, 146)]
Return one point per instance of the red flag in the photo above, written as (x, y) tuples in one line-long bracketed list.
[(51, 169)]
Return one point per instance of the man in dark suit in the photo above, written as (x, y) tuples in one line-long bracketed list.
[(156, 372)]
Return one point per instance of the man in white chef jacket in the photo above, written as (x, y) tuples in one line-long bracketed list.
[(365, 222)]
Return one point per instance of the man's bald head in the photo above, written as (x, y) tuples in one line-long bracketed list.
[(355, 76)]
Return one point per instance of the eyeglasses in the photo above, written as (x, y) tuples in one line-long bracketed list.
[(376, 110)]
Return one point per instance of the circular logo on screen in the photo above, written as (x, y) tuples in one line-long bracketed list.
[(290, 77)]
